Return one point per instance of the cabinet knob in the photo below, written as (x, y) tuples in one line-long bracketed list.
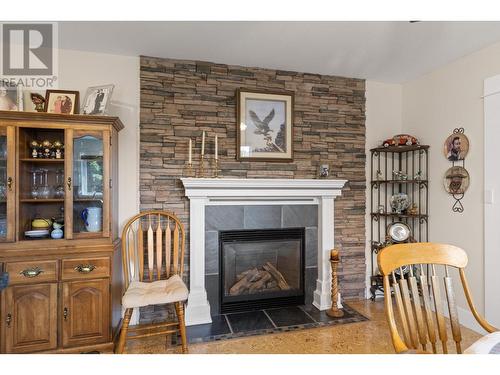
[(65, 313), (10, 182), (84, 268), (31, 272), (8, 320), (69, 183)]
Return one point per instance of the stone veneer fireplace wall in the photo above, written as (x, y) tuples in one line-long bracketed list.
[(181, 98)]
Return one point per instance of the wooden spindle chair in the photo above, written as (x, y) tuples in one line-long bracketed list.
[(419, 298), (153, 245)]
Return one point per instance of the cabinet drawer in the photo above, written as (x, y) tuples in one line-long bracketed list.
[(32, 272), (85, 268)]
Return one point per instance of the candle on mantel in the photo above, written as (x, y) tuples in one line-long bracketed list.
[(203, 144), (216, 148), (190, 151)]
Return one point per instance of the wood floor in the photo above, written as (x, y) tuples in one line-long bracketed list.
[(370, 337)]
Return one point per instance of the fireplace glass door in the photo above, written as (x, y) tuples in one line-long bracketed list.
[(261, 268)]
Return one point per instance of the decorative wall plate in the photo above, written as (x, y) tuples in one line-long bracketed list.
[(456, 180), (456, 147)]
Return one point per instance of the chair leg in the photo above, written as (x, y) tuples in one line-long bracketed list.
[(179, 309), (123, 332)]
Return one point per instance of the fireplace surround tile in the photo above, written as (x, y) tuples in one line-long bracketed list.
[(262, 217), (312, 247), (257, 217), (211, 252), (212, 287), (300, 216), (224, 217)]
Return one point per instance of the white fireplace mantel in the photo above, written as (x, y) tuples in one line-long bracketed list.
[(204, 192)]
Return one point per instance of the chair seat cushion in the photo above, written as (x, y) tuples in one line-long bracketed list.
[(141, 294), (489, 344)]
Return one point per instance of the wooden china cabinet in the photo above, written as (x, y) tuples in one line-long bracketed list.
[(63, 295)]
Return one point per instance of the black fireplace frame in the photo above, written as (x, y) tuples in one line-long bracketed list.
[(262, 300)]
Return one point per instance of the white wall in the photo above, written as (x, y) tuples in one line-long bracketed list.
[(79, 70), (383, 120), (433, 105)]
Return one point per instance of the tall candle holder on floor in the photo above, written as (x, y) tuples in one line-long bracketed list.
[(334, 311)]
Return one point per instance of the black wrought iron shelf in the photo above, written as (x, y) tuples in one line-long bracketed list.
[(404, 148), (394, 214), (387, 164), (399, 181)]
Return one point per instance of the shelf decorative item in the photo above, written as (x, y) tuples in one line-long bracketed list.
[(399, 203), (398, 175), (35, 149), (324, 170), (456, 178), (413, 209), (400, 140)]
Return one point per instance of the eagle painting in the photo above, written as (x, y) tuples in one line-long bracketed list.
[(263, 129)]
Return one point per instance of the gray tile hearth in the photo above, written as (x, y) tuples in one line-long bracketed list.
[(262, 322)]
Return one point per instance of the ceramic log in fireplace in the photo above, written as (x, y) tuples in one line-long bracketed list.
[(261, 268)]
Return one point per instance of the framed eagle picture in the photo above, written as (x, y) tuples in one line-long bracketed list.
[(265, 126)]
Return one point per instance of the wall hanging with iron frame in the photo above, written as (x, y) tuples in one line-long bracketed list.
[(456, 179)]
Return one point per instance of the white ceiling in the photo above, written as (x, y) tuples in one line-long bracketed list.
[(383, 51)]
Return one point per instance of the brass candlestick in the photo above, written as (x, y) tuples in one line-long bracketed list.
[(216, 168), (334, 311), (188, 170), (201, 171)]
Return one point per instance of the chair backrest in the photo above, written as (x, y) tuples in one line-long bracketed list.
[(418, 294), (153, 244)]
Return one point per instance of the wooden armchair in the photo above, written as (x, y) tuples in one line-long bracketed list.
[(419, 299), (159, 281)]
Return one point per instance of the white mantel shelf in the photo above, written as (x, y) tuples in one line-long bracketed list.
[(204, 192), (260, 187)]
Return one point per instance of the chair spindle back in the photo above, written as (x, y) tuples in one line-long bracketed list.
[(419, 297), (161, 235)]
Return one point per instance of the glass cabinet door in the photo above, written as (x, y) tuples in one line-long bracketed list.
[(7, 190), (88, 184)]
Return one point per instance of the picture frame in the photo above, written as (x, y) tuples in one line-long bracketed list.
[(11, 98), (97, 99), (62, 102), (264, 125)]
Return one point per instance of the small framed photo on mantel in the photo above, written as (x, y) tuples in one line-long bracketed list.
[(264, 126)]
